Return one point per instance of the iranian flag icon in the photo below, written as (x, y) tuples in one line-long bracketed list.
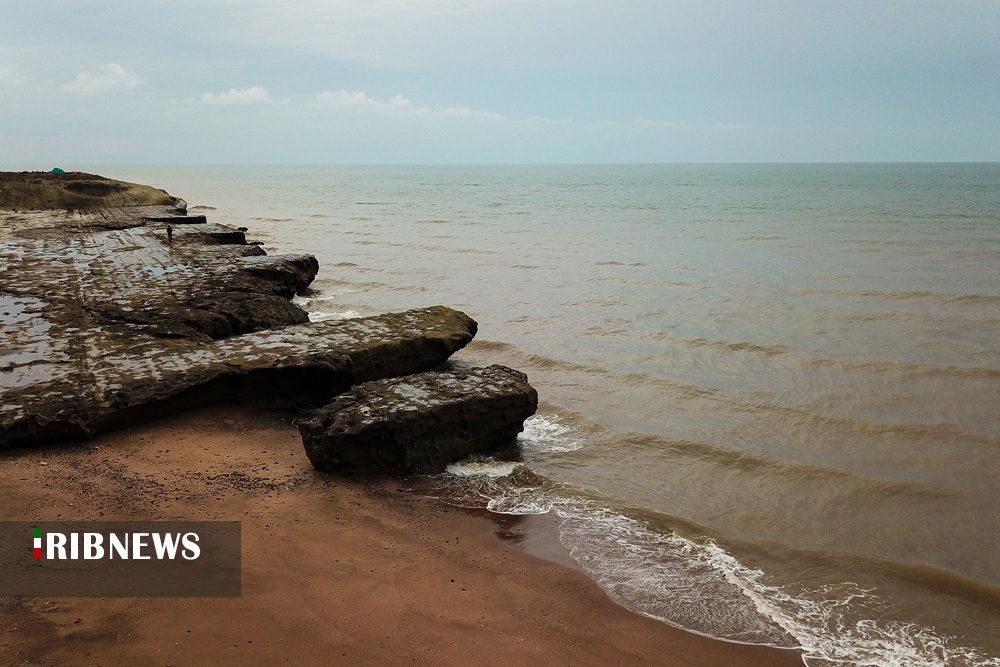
[(38, 543)]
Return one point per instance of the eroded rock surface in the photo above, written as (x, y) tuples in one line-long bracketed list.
[(104, 321), (27, 190), (68, 270), (419, 424), (131, 378)]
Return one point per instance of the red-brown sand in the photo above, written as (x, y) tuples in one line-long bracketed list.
[(335, 571)]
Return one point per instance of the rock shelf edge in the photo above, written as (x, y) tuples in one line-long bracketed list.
[(117, 307)]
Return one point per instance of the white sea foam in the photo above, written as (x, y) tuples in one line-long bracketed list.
[(319, 309), (825, 623), (547, 433), (649, 572), (482, 468), (700, 587), (321, 316)]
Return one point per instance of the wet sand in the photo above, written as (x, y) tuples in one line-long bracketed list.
[(335, 571)]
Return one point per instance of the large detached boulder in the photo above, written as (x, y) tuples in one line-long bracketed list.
[(420, 423)]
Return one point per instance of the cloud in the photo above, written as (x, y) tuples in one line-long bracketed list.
[(398, 104), (9, 76), (358, 100), (466, 112), (108, 77), (646, 122), (242, 96)]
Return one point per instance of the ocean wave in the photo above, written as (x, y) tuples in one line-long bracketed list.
[(831, 627), (743, 402), (321, 316), (482, 467), (351, 286), (426, 248), (725, 345), (513, 355), (794, 417), (697, 585), (546, 433), (598, 330), (783, 473), (531, 360), (909, 368), (740, 346), (939, 296), (317, 306)]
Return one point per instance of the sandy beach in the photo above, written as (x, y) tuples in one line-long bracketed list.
[(335, 570)]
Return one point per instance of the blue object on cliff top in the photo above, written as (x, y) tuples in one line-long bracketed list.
[(57, 170)]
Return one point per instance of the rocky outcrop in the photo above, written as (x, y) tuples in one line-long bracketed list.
[(117, 307), (110, 267), (31, 190), (419, 424), (136, 378), (105, 320)]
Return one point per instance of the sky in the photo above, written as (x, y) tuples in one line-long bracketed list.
[(498, 81)]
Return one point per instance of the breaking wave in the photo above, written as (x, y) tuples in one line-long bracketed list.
[(547, 433), (697, 585)]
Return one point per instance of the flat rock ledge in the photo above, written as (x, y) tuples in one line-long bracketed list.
[(116, 307), (419, 424), (137, 379)]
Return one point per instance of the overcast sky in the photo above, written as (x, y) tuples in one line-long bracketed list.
[(498, 81)]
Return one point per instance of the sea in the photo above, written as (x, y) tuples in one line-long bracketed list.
[(769, 393)]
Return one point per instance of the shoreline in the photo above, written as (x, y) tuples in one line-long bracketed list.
[(335, 570)]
